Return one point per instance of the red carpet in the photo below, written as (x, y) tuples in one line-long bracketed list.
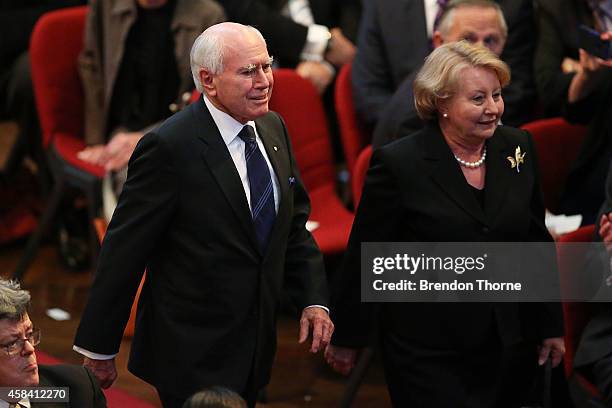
[(114, 397)]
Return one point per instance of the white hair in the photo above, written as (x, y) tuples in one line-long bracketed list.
[(14, 301), (207, 51)]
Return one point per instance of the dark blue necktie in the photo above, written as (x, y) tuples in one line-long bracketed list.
[(260, 184)]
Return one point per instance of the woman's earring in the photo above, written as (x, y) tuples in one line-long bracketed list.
[(445, 115)]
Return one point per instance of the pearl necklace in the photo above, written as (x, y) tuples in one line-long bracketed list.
[(476, 164)]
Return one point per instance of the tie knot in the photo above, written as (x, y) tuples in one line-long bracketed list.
[(247, 134)]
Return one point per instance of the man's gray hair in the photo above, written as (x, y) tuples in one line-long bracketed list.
[(14, 301), (207, 50), (446, 20)]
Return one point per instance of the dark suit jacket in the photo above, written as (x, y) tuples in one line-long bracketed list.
[(285, 37), (392, 45), (207, 311), (557, 39), (84, 389), (596, 336), (415, 192)]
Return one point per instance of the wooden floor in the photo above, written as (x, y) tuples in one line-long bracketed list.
[(299, 379)]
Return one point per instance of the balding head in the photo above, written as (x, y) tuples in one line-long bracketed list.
[(210, 48), (476, 21), (231, 66)]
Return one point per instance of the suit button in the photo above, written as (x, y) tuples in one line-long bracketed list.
[(485, 230)]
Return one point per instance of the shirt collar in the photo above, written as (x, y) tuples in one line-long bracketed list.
[(228, 126), (24, 403)]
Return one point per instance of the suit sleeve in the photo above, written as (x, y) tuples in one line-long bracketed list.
[(399, 118), (305, 278), (546, 317), (518, 54), (145, 208), (552, 84), (371, 77), (376, 221)]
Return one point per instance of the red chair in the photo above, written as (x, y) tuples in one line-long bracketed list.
[(298, 102), (55, 44), (575, 314), (353, 134), (359, 173), (557, 143)]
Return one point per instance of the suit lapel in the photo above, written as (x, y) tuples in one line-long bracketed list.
[(220, 163), (497, 182), (447, 174)]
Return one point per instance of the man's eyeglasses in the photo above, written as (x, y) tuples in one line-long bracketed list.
[(15, 347)]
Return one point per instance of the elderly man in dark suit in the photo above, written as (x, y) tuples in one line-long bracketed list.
[(18, 366), (386, 63), (214, 208)]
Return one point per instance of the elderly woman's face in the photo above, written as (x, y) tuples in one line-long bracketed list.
[(477, 105)]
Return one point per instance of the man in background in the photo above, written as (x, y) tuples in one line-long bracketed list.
[(18, 366), (387, 61)]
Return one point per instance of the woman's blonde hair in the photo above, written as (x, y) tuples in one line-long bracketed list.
[(439, 76)]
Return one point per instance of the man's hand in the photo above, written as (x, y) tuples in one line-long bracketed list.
[(341, 359), (120, 149), (93, 154), (316, 72), (104, 370), (553, 347), (322, 328), (605, 231), (342, 50), (116, 154)]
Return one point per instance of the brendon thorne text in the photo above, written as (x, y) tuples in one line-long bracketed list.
[(424, 285)]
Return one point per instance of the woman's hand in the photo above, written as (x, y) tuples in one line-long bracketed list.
[(554, 348), (341, 359)]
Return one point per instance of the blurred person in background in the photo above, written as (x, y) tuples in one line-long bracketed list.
[(577, 85)]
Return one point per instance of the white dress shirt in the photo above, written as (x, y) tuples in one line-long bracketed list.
[(431, 10)]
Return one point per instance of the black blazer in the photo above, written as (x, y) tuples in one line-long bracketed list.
[(415, 191), (84, 389), (392, 45), (207, 311)]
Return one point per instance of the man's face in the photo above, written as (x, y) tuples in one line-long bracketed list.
[(244, 88), (19, 370), (478, 25)]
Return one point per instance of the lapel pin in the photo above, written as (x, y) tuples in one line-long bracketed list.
[(291, 181), (275, 148), (517, 160)]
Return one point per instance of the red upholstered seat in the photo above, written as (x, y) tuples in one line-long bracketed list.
[(354, 135), (557, 143), (297, 101), (56, 42), (575, 314)]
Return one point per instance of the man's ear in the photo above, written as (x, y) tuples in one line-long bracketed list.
[(207, 82), (436, 39)]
